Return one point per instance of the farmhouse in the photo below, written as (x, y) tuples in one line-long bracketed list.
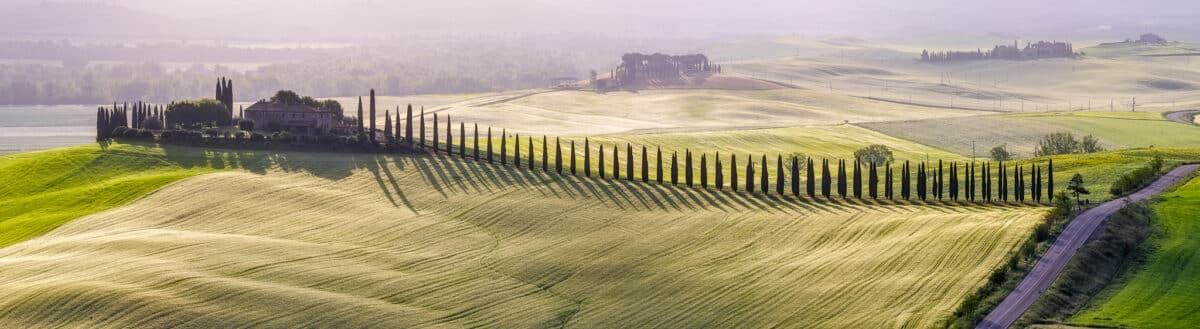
[(293, 118)]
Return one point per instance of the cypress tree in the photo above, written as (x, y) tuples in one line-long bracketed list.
[(779, 189), (733, 179), (1050, 180), (905, 185), (687, 167), (810, 186), (987, 181), (422, 132), (826, 179), (1004, 184), (795, 176), (435, 137), (720, 182), (557, 156), (941, 181), (371, 131), (545, 154), (398, 130), (703, 172), (387, 127), (474, 141), (572, 157), (517, 151), (887, 181), (857, 179), (750, 175), (954, 181), (674, 169), (360, 115), (658, 169), (503, 145), (841, 182), (1037, 184), (616, 163), (530, 158), (645, 165), (873, 183), (489, 145), (587, 158), (601, 164), (462, 140), (922, 180), (763, 183), (450, 137), (628, 161)]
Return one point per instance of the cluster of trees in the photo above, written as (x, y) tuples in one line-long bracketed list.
[(197, 113), (1138, 178), (637, 67), (1065, 143), (291, 97), (1041, 49), (116, 121), (224, 94)]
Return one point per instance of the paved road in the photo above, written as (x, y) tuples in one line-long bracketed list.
[(1178, 116), (1073, 237)]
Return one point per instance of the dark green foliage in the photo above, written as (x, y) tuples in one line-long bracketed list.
[(674, 169), (572, 157), (720, 182), (475, 141), (360, 116), (703, 172), (921, 181), (779, 189), (408, 130), (246, 125), (557, 156), (658, 169), (954, 181), (826, 179), (489, 145), (841, 179), (733, 178), (887, 181), (204, 112), (645, 166), (941, 181), (629, 161), (450, 139), (905, 187), (503, 144), (795, 176), (857, 180), (462, 142), (435, 138), (616, 169), (1050, 180), (750, 175), (517, 150), (1137, 178), (810, 186), (874, 154), (371, 129), (587, 158), (530, 158), (873, 182), (387, 127), (601, 162), (1003, 180), (687, 167), (545, 155), (422, 131), (763, 182)]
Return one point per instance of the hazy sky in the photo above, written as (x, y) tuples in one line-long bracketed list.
[(1049, 18)]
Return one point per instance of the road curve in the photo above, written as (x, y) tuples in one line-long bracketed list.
[(1178, 116), (1073, 237)]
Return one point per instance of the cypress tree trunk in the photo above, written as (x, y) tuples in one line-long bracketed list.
[(720, 179), (764, 181), (628, 161), (503, 145), (703, 172), (674, 169), (489, 145), (779, 189), (572, 157), (857, 179), (587, 158), (557, 156), (645, 166), (616, 163), (733, 179), (873, 183), (687, 167)]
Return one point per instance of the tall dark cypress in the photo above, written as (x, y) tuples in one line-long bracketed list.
[(545, 154), (645, 165), (530, 158), (987, 182), (658, 169), (720, 176), (873, 183), (371, 130), (572, 157), (887, 181), (941, 181), (779, 189), (557, 156), (750, 174), (450, 137), (361, 129), (587, 158), (462, 139), (857, 179), (628, 161), (841, 183), (435, 136), (954, 181), (763, 182), (687, 167), (1050, 180), (616, 163), (826, 179), (489, 145), (422, 131), (601, 164), (922, 180), (475, 142), (674, 169), (703, 172), (810, 186), (387, 127), (905, 185), (795, 176), (503, 144), (1004, 184), (733, 178)]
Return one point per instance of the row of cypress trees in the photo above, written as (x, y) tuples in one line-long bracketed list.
[(952, 182)]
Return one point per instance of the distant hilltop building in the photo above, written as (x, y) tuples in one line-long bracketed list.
[(1039, 50), (637, 70), (1144, 39), (294, 117)]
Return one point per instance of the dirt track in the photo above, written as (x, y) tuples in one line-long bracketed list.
[(1181, 116), (1060, 253)]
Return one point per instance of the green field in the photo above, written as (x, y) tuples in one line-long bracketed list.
[(1165, 292), (351, 240)]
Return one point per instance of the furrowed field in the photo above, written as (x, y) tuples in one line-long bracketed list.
[(355, 240)]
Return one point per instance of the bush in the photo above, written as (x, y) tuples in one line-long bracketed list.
[(1065, 143), (197, 112), (152, 123), (1138, 178), (246, 125), (119, 131), (1000, 153), (876, 154), (257, 137)]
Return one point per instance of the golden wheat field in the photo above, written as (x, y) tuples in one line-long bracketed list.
[(375, 241)]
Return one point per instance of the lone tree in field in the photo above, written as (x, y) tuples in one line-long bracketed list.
[(733, 178), (1000, 153), (874, 154), (720, 179), (1075, 186)]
